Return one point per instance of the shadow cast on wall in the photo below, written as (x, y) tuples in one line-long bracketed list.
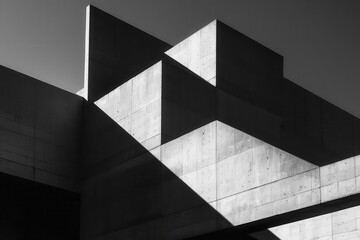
[(128, 193)]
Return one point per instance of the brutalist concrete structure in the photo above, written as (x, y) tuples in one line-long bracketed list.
[(204, 139)]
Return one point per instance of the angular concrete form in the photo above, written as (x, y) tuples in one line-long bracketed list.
[(115, 51), (206, 141), (249, 79), (160, 104)]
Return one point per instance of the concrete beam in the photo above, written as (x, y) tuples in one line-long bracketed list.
[(339, 225)]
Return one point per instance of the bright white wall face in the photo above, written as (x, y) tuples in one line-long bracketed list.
[(192, 157), (242, 177), (246, 179), (198, 53), (340, 225), (136, 106)]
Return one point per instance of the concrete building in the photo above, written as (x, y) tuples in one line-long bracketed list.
[(204, 139)]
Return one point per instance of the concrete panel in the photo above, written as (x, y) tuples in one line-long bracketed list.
[(198, 52), (336, 225), (136, 106), (245, 162), (338, 179), (191, 152), (40, 132), (116, 52)]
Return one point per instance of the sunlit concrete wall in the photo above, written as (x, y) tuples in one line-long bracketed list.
[(198, 52), (246, 179), (136, 106), (340, 225), (40, 131)]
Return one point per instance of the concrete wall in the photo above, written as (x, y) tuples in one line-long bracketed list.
[(40, 131), (246, 179), (136, 106), (198, 52), (32, 210), (340, 225), (202, 175), (160, 104), (115, 52), (249, 81), (242, 177), (127, 193)]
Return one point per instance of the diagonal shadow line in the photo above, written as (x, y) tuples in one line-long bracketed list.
[(126, 189)]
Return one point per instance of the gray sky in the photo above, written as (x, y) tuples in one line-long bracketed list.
[(319, 39)]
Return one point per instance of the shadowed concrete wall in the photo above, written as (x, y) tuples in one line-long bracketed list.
[(128, 193), (40, 131), (116, 52), (40, 146), (31, 210)]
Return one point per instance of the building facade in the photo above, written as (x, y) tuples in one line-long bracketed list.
[(204, 139)]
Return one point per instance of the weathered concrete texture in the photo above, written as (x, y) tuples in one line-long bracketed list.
[(340, 225), (40, 131), (240, 175), (127, 193), (198, 52), (136, 106), (246, 179), (160, 104), (340, 179), (116, 52), (253, 96)]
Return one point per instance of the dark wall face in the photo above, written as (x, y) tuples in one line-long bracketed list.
[(188, 101), (277, 110), (32, 210), (117, 52), (40, 146), (40, 130), (246, 69)]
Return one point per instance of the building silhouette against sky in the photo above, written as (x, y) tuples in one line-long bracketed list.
[(204, 139)]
